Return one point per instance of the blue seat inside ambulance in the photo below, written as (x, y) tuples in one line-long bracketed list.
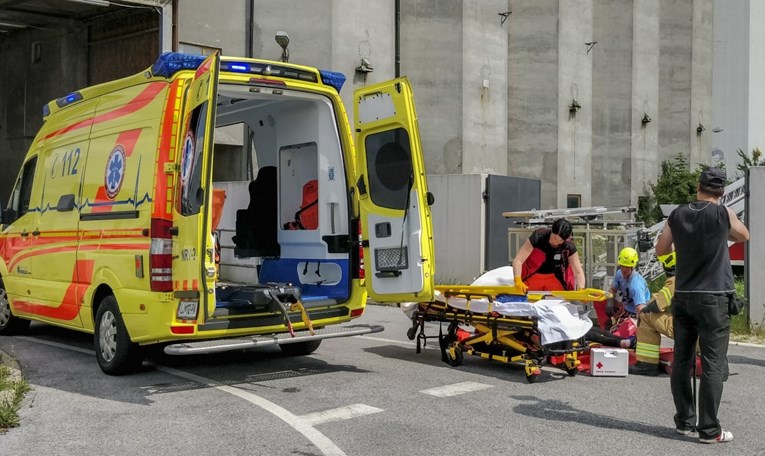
[(295, 271)]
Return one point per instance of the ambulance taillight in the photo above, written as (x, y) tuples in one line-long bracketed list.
[(362, 274), (161, 256)]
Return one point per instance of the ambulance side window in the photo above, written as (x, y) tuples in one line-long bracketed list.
[(389, 163), (192, 192), (22, 195)]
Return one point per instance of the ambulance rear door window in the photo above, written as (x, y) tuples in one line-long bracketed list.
[(192, 192), (389, 162)]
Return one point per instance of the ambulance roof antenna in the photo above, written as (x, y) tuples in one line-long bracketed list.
[(283, 40)]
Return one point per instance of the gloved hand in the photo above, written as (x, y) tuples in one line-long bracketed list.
[(651, 308), (520, 286)]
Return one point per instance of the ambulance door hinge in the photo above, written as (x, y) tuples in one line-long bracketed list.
[(172, 168)]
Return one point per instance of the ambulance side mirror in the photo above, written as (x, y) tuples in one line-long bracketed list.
[(65, 203)]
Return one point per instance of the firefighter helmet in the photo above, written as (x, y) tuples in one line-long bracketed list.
[(669, 260), (628, 257)]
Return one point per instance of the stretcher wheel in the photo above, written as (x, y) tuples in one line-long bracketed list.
[(411, 333), (456, 359), (572, 371), (532, 378)]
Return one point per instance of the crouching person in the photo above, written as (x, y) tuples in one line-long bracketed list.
[(654, 321)]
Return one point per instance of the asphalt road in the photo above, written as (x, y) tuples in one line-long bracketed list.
[(369, 395)]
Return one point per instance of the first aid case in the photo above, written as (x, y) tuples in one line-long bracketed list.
[(609, 362)]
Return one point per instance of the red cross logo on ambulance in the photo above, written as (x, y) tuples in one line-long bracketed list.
[(114, 174), (187, 156)]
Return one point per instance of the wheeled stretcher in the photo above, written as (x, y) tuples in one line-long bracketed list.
[(508, 327)]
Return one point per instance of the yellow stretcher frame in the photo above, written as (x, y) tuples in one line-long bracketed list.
[(498, 337)]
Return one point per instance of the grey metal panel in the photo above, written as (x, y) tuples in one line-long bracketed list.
[(503, 194), (457, 226), (755, 248)]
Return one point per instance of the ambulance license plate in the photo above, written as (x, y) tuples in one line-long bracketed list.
[(187, 310)]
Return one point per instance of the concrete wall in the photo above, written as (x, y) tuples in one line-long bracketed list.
[(612, 101), (575, 80), (26, 86), (756, 95), (484, 88), (755, 253), (730, 80), (685, 79), (431, 56), (702, 45), (532, 99), (644, 155), (214, 24)]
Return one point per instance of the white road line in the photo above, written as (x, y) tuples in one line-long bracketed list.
[(322, 442), (456, 389), (339, 414), (400, 342), (58, 345)]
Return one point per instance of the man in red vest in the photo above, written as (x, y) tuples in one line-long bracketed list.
[(548, 261)]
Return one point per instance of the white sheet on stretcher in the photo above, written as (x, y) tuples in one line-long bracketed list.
[(557, 320)]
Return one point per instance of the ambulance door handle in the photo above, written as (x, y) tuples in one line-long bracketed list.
[(173, 230)]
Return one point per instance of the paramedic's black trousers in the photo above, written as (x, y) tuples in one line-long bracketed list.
[(703, 316)]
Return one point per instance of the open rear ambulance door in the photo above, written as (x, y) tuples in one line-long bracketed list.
[(393, 194), (193, 251)]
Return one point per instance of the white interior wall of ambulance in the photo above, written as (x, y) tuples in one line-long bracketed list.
[(296, 133)]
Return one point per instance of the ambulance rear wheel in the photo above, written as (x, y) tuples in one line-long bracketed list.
[(9, 324), (115, 352), (300, 348)]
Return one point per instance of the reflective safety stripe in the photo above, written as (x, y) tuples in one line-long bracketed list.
[(647, 350)]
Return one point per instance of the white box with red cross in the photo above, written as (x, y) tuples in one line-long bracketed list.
[(609, 362)]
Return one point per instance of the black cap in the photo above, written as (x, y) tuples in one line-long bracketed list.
[(713, 178)]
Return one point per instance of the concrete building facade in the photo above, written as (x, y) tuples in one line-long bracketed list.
[(589, 96)]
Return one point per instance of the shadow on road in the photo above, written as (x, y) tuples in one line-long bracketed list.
[(555, 410), (737, 359), (75, 369), (472, 364)]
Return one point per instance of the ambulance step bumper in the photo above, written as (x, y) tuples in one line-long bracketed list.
[(239, 343)]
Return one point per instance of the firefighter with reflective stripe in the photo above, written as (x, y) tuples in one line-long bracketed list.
[(655, 320)]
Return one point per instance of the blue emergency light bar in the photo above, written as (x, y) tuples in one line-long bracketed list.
[(333, 79), (170, 63)]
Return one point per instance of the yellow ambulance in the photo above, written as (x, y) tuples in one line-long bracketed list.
[(215, 203)]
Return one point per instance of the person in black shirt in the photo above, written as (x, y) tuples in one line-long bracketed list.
[(548, 261), (704, 281)]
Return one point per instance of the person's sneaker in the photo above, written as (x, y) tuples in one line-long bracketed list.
[(724, 437), (643, 368), (690, 431)]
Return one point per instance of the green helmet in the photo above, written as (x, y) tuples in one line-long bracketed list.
[(628, 257)]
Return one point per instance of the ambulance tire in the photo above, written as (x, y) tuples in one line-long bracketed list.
[(9, 324), (116, 354), (300, 348)]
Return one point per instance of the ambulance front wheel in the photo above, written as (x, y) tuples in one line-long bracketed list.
[(9, 324), (115, 352)]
